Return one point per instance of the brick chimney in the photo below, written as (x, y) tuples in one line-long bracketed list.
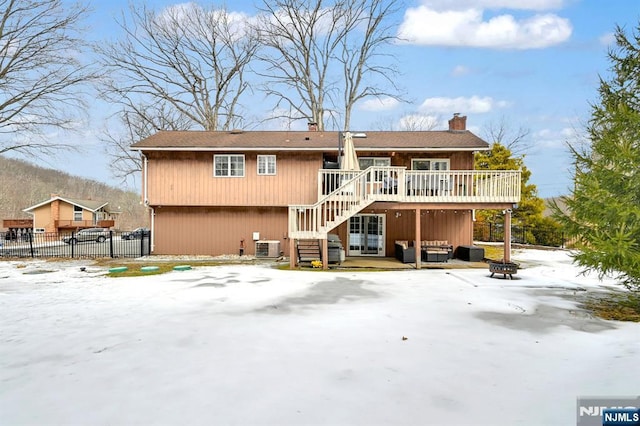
[(313, 127), (458, 122)]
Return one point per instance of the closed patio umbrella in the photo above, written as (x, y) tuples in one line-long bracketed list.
[(349, 159)]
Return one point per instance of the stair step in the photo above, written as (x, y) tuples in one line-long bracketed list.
[(308, 250)]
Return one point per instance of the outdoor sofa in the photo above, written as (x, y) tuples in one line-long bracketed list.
[(436, 250)]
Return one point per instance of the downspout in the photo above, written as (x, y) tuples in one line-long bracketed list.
[(145, 197), (145, 194), (153, 234)]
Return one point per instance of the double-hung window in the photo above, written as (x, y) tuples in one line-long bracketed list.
[(365, 162), (266, 165), (429, 164), (228, 165), (434, 183), (77, 213)]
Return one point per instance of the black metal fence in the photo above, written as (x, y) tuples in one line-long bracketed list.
[(75, 244), (542, 236)]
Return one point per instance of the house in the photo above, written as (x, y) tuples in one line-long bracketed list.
[(64, 214), (257, 192)]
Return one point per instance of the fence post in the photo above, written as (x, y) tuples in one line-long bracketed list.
[(31, 245), (72, 244), (142, 243), (111, 243)]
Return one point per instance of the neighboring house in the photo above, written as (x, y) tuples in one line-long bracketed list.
[(64, 214), (215, 192)]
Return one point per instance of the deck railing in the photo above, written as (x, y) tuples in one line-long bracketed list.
[(402, 185), (101, 223), (343, 193)]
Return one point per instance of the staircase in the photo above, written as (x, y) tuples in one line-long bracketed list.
[(308, 250), (316, 220)]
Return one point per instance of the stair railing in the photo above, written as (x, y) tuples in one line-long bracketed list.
[(316, 220)]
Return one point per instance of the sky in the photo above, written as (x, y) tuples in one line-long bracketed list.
[(256, 345), (531, 64)]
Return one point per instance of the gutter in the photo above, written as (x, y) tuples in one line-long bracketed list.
[(308, 149)]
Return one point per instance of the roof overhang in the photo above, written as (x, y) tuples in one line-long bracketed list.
[(306, 149), (74, 203)]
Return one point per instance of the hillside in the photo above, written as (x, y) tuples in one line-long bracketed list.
[(23, 184)]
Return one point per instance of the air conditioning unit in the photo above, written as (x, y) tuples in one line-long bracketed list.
[(267, 248)]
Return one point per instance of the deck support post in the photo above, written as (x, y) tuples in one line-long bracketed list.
[(418, 238), (507, 236), (325, 253), (293, 253)]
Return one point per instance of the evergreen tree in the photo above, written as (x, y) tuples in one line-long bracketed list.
[(604, 206)]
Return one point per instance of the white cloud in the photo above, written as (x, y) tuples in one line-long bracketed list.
[(495, 4), (418, 122), (460, 70), (551, 138), (474, 104), (607, 39), (426, 26), (379, 104)]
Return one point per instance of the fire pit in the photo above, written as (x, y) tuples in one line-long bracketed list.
[(504, 268)]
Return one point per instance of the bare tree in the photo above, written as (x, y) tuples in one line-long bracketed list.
[(318, 53), (411, 122), (187, 57), (138, 124), (360, 47), (41, 77), (503, 133)]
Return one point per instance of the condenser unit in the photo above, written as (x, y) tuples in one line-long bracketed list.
[(267, 248)]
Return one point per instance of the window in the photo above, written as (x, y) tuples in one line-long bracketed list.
[(228, 165), (266, 164), (429, 164), (434, 183), (365, 162), (373, 161), (77, 213)]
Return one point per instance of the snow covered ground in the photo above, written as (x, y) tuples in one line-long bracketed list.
[(249, 345)]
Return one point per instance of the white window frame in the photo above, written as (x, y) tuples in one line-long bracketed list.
[(229, 167), (78, 213), (430, 162), (377, 161), (266, 165)]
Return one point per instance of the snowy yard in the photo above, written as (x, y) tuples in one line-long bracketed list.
[(246, 345)]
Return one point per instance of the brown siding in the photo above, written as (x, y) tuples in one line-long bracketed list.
[(217, 231), (186, 179), (458, 160), (42, 218)]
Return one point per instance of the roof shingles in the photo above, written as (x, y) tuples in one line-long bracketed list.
[(305, 140)]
